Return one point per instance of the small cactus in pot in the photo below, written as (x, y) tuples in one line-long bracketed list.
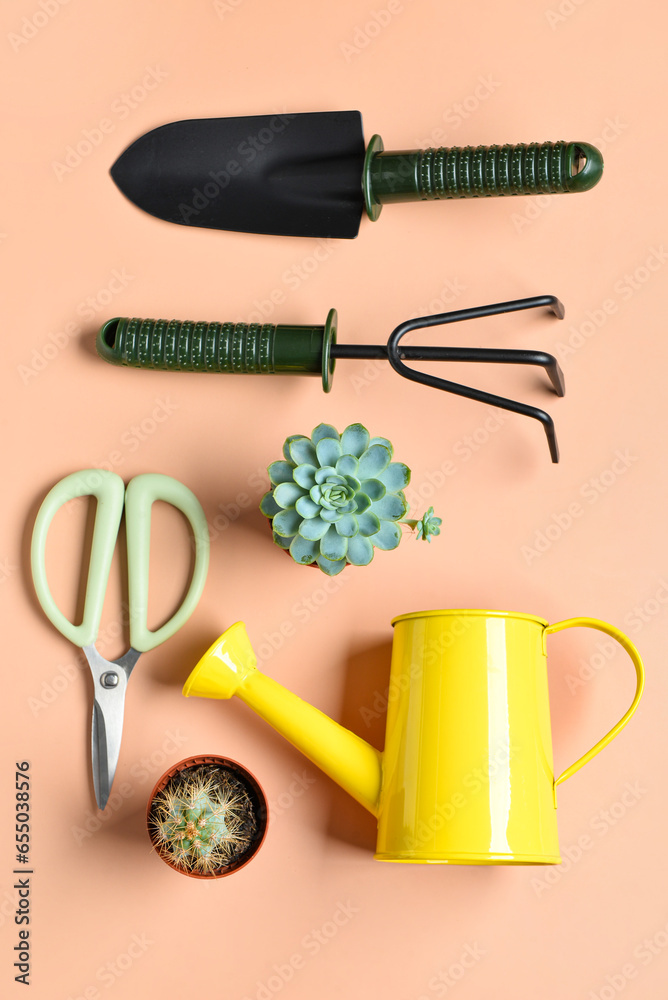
[(334, 498), (207, 817)]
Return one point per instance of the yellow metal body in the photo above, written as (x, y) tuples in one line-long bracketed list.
[(466, 776)]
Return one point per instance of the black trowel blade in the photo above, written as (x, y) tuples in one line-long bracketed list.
[(285, 175)]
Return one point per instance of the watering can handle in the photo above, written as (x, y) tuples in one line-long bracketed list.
[(626, 644)]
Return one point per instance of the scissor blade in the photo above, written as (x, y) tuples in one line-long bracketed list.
[(111, 681), (103, 774)]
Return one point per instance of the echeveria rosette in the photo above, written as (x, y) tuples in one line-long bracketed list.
[(335, 497)]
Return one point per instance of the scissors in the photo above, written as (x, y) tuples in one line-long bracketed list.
[(111, 677)]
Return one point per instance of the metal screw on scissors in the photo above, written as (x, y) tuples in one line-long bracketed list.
[(111, 678)]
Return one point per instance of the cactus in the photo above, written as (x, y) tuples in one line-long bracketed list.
[(335, 497), (203, 820)]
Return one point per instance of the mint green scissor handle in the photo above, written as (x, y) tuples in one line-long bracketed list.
[(111, 495)]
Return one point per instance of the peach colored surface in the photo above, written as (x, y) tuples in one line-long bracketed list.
[(314, 915)]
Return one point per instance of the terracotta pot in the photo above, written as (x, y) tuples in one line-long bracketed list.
[(251, 786)]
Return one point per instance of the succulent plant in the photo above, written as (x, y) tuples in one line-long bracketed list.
[(425, 526), (335, 497), (202, 821)]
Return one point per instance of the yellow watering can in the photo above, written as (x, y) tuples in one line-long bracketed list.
[(466, 776)]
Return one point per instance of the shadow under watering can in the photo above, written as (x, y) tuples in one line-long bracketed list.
[(466, 776)]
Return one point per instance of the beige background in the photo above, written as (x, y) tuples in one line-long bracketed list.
[(314, 915)]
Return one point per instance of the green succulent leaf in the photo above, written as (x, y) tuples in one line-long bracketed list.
[(368, 523), (355, 440), (287, 523), (313, 529), (347, 465), (347, 525), (323, 474), (395, 477), (388, 537), (287, 494), (281, 472), (334, 495), (307, 507), (350, 507), (330, 566), (268, 505), (286, 446), (386, 444), (374, 461), (427, 526), (284, 541), (373, 488), (303, 550), (353, 482), (360, 550), (390, 507), (362, 502), (324, 431), (304, 475), (333, 545), (330, 515), (328, 451), (302, 452)]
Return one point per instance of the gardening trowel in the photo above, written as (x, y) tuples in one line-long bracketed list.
[(310, 174)]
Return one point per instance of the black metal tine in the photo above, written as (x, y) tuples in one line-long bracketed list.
[(394, 355), (365, 352), (494, 309)]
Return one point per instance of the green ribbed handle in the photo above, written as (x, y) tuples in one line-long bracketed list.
[(477, 172), (241, 348)]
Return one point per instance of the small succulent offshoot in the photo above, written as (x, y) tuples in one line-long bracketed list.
[(202, 821), (426, 526), (334, 498)]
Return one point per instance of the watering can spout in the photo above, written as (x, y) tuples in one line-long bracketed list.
[(229, 668)]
